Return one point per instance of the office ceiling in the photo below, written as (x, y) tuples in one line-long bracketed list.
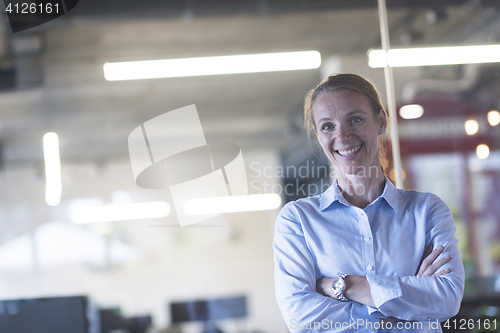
[(198, 8), (60, 84)]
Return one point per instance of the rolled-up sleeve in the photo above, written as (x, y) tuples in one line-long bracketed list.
[(423, 298), (304, 309)]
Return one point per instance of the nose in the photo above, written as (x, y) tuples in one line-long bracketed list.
[(344, 133)]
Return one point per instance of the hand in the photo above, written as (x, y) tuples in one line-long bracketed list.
[(357, 289), (428, 267), (324, 286)]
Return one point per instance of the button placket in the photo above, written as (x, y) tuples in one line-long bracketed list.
[(367, 243)]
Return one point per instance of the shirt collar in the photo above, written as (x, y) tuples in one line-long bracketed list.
[(333, 193)]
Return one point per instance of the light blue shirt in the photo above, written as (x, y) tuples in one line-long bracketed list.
[(325, 236)]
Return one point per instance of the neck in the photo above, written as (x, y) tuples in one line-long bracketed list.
[(360, 189)]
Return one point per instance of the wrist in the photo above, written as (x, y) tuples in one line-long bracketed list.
[(358, 290), (349, 283), (355, 286), (326, 287), (338, 288)]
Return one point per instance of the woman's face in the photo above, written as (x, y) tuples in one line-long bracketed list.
[(348, 131)]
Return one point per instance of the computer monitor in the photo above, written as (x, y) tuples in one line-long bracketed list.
[(111, 320), (208, 311), (45, 315), (139, 324), (226, 308), (188, 311)]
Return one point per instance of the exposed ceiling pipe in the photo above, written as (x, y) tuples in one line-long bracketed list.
[(470, 78)]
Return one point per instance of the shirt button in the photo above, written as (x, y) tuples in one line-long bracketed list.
[(367, 238), (369, 267), (389, 313)]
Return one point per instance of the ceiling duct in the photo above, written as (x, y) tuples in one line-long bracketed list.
[(469, 80)]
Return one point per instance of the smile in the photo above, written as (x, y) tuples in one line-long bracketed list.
[(349, 152)]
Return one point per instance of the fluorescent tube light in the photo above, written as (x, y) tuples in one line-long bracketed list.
[(53, 184), (411, 111), (110, 213), (251, 63), (435, 56), (232, 204)]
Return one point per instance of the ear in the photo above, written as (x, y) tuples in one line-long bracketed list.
[(382, 119)]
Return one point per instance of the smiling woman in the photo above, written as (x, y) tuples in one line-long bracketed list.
[(364, 99), (347, 116), (363, 256), (348, 131)]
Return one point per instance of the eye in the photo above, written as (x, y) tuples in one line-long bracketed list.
[(355, 120), (327, 127)]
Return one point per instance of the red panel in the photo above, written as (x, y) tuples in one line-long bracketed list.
[(446, 108)]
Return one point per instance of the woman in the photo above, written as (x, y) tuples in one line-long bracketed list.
[(351, 259)]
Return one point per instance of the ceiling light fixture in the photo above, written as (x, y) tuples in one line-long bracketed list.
[(471, 127), (235, 64), (434, 56), (411, 111), (494, 118), (482, 151), (232, 204), (111, 213), (53, 186)]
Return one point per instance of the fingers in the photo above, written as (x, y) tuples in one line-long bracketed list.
[(429, 259), (434, 254), (428, 267), (428, 250), (421, 267), (442, 272), (436, 265)]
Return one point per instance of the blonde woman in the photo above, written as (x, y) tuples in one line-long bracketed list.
[(363, 256)]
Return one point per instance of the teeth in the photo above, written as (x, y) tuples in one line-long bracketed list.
[(349, 152)]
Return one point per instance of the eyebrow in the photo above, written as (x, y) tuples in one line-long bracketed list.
[(322, 119), (350, 113), (353, 112)]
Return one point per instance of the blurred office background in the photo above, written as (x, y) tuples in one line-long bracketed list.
[(52, 80)]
